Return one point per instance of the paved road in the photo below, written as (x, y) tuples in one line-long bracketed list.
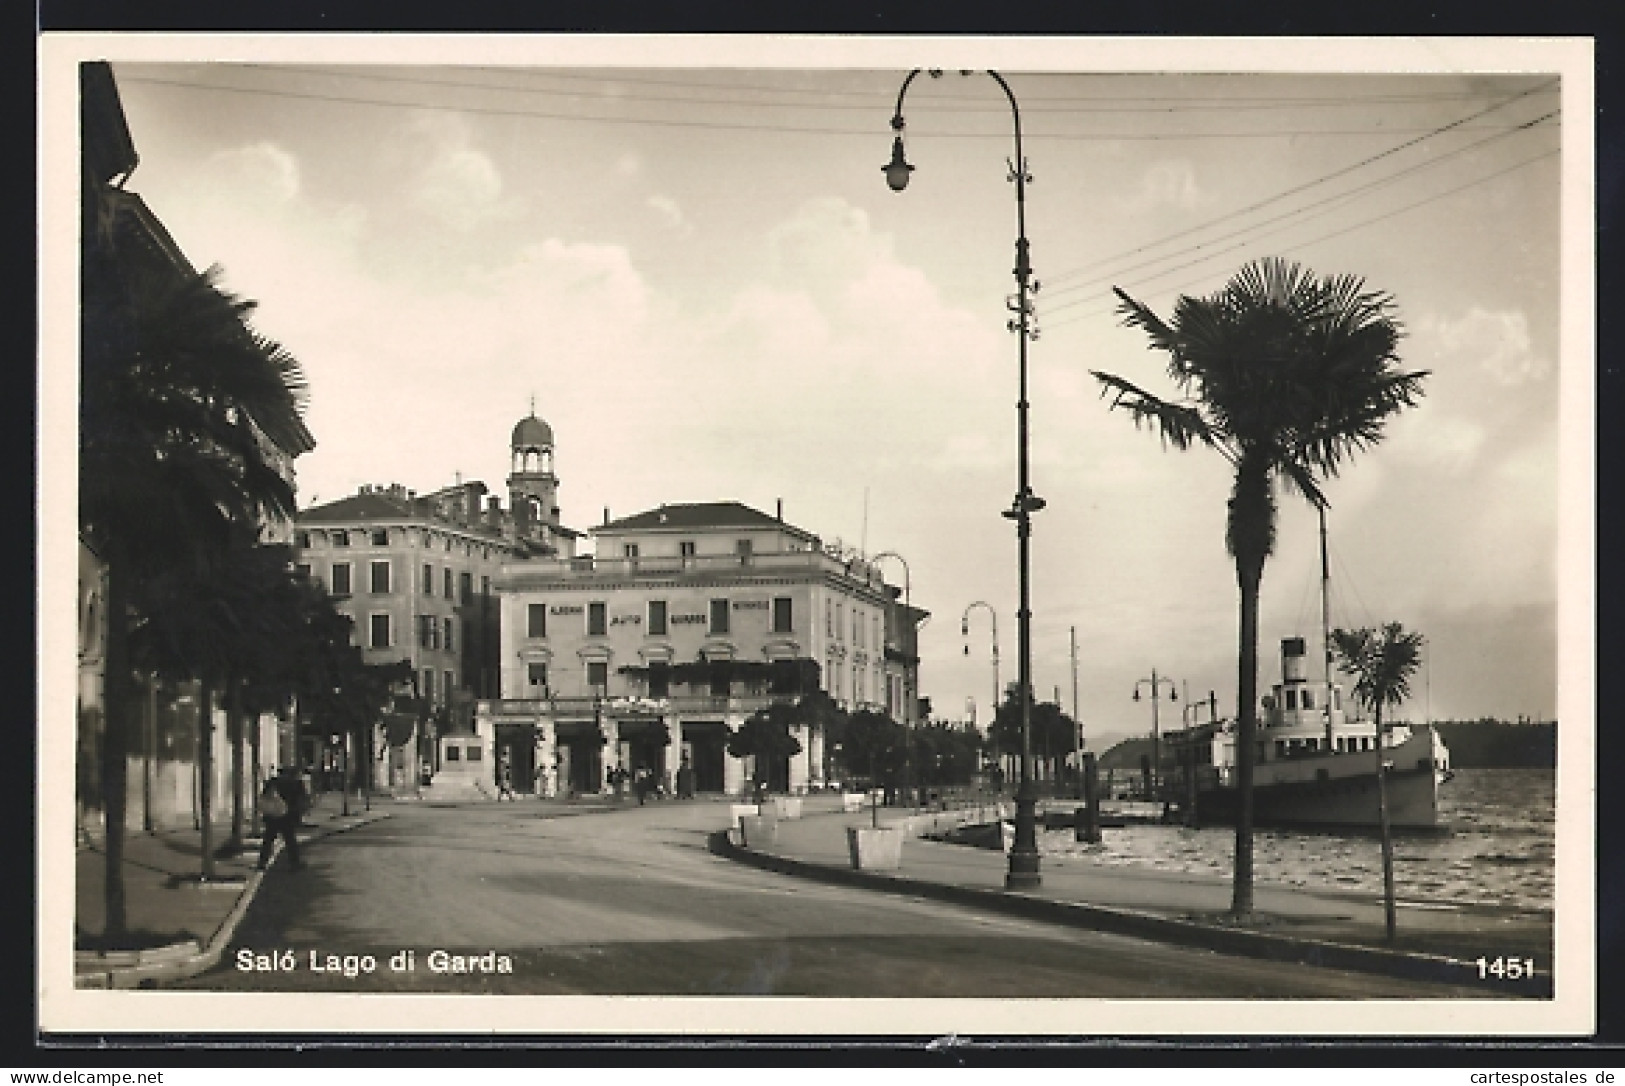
[(631, 902)]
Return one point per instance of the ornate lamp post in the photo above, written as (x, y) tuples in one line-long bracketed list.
[(1024, 865), (1155, 683)]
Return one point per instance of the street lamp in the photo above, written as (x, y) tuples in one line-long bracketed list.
[(1156, 683), (1023, 871), (909, 655), (964, 630)]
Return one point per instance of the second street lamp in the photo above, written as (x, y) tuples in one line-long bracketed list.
[(1023, 870), (1156, 682)]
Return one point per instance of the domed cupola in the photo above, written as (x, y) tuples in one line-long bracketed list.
[(532, 486)]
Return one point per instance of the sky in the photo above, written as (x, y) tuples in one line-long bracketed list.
[(695, 267)]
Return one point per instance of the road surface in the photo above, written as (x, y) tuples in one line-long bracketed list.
[(630, 902)]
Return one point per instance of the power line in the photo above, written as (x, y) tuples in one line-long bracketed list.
[(867, 133), (1312, 183), (1336, 200), (1073, 319), (1094, 104)]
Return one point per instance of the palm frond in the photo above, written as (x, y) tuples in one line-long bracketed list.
[(1180, 425)]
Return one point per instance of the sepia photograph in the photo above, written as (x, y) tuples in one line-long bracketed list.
[(753, 535)]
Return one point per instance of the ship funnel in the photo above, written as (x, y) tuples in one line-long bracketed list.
[(1293, 660)]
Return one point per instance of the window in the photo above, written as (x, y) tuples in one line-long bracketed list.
[(781, 615), (465, 584), (341, 538), (719, 616), (450, 677), (595, 618), (840, 621), (380, 631), (341, 578), (301, 540), (536, 620), (428, 684), (659, 679), (476, 753), (630, 550), (743, 548), (857, 628), (829, 619), (380, 578), (1308, 699), (428, 579), (425, 630), (536, 674), (721, 680), (1291, 699), (686, 549), (598, 674), (657, 617), (447, 584), (449, 646), (380, 537), (303, 570), (454, 753)]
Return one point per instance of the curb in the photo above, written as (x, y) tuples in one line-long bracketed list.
[(1149, 926), (178, 961)]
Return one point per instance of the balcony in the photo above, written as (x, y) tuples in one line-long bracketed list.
[(587, 567), (685, 704)]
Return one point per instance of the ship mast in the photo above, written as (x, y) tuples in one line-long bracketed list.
[(1325, 628)]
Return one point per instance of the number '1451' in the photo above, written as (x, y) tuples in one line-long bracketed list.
[(1505, 968)]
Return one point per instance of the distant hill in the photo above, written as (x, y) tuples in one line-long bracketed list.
[(1498, 744)]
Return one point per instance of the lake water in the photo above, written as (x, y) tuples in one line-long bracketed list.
[(1497, 847)]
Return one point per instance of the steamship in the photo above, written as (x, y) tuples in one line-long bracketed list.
[(1313, 766)]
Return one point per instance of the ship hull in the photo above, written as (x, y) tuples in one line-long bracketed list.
[(1336, 791)]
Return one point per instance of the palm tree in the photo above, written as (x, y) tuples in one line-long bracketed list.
[(181, 404), (1286, 376), (1382, 662)]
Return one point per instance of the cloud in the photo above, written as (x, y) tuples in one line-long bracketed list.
[(1499, 342), (1169, 183), (449, 177), (671, 214), (258, 170)]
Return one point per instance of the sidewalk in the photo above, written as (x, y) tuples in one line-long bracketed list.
[(182, 922), (1322, 927)]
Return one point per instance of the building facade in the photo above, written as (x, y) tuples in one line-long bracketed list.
[(685, 621), (415, 575)]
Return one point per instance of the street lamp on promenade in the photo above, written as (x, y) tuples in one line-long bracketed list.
[(1023, 871), (908, 669), (964, 630), (1156, 682)]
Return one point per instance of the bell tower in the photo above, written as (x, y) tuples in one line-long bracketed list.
[(532, 486)]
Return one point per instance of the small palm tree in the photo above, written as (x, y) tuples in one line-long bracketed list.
[(1382, 662), (1286, 376)]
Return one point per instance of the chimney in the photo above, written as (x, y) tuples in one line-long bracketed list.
[(606, 514), (781, 510)]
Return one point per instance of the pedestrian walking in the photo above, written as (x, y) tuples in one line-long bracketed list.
[(283, 802), (642, 783), (685, 780), (505, 782)]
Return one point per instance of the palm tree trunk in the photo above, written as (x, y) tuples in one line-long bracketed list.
[(1387, 833), (116, 692), (234, 732), (1249, 573), (205, 775)]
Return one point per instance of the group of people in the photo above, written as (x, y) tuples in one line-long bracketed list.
[(646, 783)]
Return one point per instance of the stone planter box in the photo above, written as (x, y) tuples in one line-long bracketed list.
[(875, 848), (758, 832), (852, 802), (785, 807)]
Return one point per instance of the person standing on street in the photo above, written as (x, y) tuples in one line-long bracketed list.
[(282, 804), (505, 782)]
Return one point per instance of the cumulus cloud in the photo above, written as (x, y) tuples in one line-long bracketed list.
[(260, 170), (449, 177), (1497, 341)]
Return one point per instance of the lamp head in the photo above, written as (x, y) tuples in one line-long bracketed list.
[(898, 169), (1173, 693), (1136, 693)]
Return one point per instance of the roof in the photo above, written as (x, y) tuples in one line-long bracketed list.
[(699, 515), (532, 432), (372, 506)]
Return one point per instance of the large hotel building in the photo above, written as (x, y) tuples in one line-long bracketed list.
[(685, 621)]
